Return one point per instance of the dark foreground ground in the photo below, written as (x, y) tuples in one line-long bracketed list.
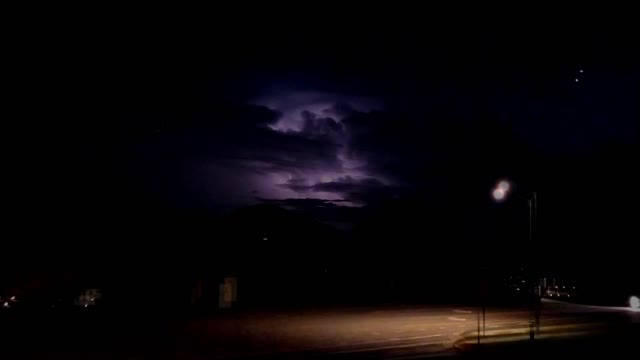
[(394, 332)]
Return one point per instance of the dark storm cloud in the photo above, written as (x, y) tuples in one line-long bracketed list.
[(243, 135), (326, 150), (269, 150), (303, 203), (360, 191), (364, 191), (320, 126), (347, 184)]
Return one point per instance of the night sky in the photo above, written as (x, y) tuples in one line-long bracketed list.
[(352, 121)]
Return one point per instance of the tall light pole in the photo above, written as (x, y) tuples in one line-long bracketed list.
[(500, 193)]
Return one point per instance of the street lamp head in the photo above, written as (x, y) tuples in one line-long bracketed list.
[(501, 190)]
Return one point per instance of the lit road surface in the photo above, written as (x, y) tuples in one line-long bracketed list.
[(384, 332)]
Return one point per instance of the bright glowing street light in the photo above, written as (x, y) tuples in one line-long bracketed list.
[(634, 302), (501, 190)]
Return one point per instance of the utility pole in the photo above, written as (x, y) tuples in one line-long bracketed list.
[(499, 194), (534, 321)]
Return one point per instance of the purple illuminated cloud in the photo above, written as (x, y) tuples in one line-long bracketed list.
[(318, 116), (295, 106)]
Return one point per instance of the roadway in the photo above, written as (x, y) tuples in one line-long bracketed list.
[(393, 332), (387, 332)]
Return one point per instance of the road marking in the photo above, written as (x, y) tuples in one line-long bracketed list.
[(382, 342), (385, 348), (462, 311), (456, 319), (414, 337)]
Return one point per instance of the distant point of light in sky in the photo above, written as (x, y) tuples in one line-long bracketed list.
[(581, 71), (577, 80)]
